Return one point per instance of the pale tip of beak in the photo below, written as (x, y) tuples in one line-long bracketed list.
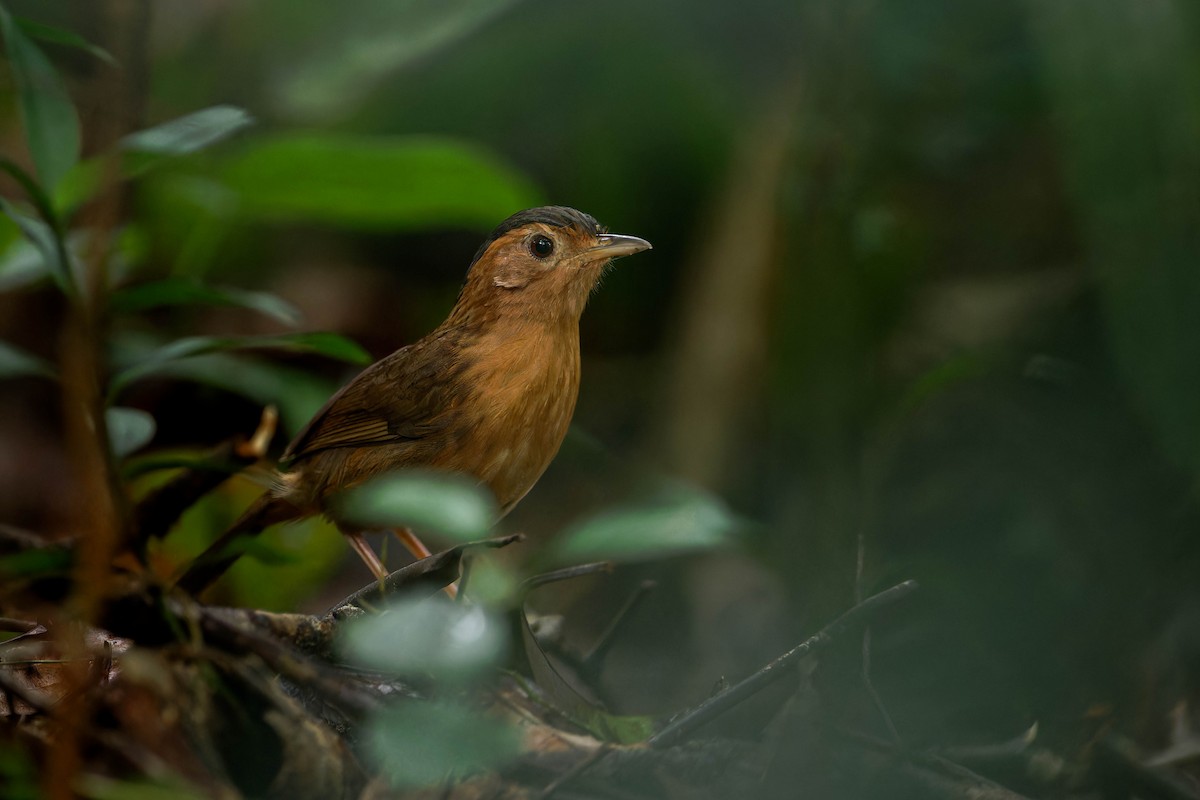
[(615, 245)]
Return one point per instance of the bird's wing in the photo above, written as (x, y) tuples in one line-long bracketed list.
[(406, 396)]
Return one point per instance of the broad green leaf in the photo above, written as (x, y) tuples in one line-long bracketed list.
[(418, 743), (129, 429), (48, 33), (181, 291), (189, 133), (43, 237), (686, 522), (16, 363), (448, 506), (375, 182), (51, 124), (155, 362), (417, 636)]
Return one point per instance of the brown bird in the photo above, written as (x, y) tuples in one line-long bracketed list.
[(488, 394)]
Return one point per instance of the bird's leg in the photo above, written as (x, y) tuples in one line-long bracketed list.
[(360, 545), (415, 546), (411, 543)]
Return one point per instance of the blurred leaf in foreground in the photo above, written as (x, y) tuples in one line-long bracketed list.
[(16, 363), (420, 744), (327, 344), (42, 237), (20, 265), (375, 182), (418, 636), (189, 133), (181, 291), (683, 522), (61, 36), (51, 125), (452, 507), (129, 429), (149, 148)]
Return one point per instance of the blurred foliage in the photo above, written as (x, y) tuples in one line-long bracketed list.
[(424, 744), (450, 508), (978, 355)]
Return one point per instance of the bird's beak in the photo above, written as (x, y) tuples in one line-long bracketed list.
[(615, 245)]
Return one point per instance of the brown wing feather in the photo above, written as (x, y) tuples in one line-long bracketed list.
[(405, 396)]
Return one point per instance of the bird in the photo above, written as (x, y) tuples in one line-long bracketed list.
[(488, 394)]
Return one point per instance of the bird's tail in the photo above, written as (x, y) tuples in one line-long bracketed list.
[(267, 510)]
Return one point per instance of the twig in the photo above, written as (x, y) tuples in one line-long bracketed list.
[(718, 704), (564, 574), (21, 626), (595, 657)]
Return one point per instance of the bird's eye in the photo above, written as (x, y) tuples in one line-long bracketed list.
[(541, 246)]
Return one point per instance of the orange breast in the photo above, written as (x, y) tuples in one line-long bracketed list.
[(526, 382)]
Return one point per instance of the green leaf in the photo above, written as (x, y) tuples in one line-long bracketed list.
[(419, 743), (155, 362), (375, 182), (147, 149), (43, 237), (452, 507), (182, 291), (190, 133), (296, 392), (20, 265), (51, 124), (129, 429), (686, 522), (16, 363), (417, 636), (48, 33)]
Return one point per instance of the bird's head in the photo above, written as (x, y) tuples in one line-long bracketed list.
[(543, 262)]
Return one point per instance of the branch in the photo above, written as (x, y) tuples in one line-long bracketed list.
[(718, 704)]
